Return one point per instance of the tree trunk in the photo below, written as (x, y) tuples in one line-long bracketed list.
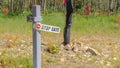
[(12, 6), (111, 6), (44, 5), (99, 6), (118, 5)]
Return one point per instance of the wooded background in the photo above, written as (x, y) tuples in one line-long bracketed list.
[(99, 6)]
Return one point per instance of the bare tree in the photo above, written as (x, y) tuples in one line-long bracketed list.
[(118, 5)]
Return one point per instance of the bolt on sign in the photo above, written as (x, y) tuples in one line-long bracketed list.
[(47, 28)]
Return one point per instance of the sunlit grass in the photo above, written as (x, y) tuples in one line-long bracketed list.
[(22, 62), (16, 24), (81, 24), (95, 24)]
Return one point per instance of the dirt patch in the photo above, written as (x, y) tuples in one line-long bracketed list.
[(93, 53), (85, 52)]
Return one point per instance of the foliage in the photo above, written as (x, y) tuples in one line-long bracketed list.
[(53, 49), (20, 6)]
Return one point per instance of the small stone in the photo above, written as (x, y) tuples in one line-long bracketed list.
[(67, 47), (114, 58), (79, 43), (86, 47), (19, 49), (62, 59), (23, 41), (92, 51), (61, 47), (102, 62), (75, 49)]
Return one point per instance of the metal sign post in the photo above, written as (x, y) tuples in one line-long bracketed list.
[(36, 37), (36, 18)]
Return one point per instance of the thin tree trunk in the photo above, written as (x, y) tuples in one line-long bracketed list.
[(33, 1), (117, 5), (111, 6), (12, 6), (42, 2), (99, 6), (44, 5), (8, 4)]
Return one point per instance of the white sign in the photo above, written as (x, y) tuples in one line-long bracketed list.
[(47, 28)]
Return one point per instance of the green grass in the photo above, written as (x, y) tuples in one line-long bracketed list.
[(95, 25), (81, 24), (22, 62), (15, 24)]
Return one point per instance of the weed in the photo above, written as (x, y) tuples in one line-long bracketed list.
[(53, 49), (52, 60)]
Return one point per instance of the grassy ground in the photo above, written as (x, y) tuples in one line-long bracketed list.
[(81, 24), (15, 37)]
